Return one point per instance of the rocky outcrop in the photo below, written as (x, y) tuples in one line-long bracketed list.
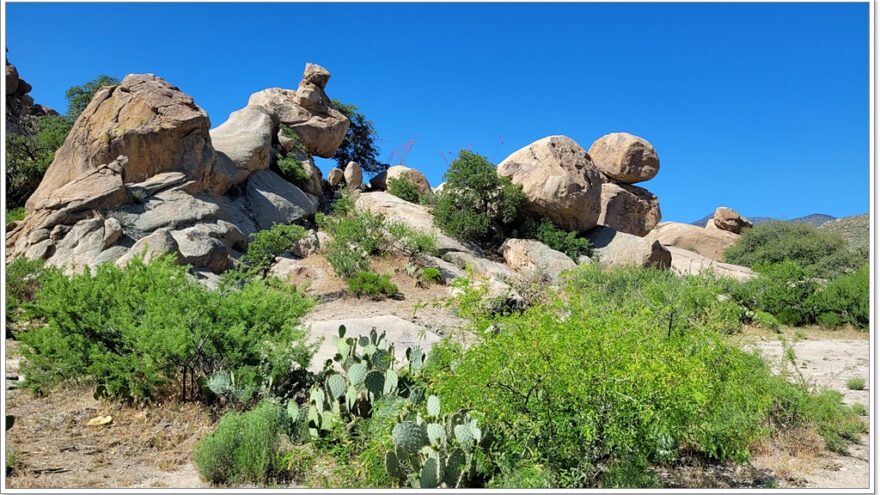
[(244, 145), (686, 262), (380, 181), (625, 157), (559, 180), (615, 249), (274, 200), (628, 209), (21, 110), (728, 219), (532, 259), (710, 243)]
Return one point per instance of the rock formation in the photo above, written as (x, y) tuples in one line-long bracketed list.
[(559, 180), (728, 219), (629, 209), (710, 243), (141, 171), (613, 249), (624, 157), (380, 181), (532, 258), (20, 106)]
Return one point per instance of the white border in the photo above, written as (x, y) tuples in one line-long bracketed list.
[(873, 291)]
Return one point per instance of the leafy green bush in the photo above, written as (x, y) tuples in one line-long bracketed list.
[(23, 280), (782, 289), (15, 215), (293, 170), (136, 329), (766, 320), (845, 299), (244, 447), (596, 386), (355, 237), (432, 275), (477, 205), (372, 285), (556, 238), (855, 384), (414, 243), (821, 254), (266, 244), (404, 189)]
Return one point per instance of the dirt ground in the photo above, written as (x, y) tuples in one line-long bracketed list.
[(151, 447)]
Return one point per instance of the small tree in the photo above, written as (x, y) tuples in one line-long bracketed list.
[(476, 203), (79, 97), (359, 144)]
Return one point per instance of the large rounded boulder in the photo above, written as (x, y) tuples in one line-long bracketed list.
[(559, 180), (380, 181), (710, 243), (625, 157), (629, 209), (728, 219)]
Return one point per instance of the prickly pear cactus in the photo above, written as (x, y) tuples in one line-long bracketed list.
[(430, 475), (336, 386), (375, 383), (356, 373), (409, 437), (433, 406)]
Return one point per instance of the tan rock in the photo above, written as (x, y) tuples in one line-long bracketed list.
[(730, 220), (532, 258), (11, 80), (629, 209), (710, 243), (380, 181), (686, 262), (336, 176), (625, 157), (559, 180), (199, 249), (615, 249), (243, 144), (155, 125), (354, 176), (153, 246)]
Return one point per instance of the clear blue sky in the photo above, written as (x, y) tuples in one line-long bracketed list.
[(762, 107)]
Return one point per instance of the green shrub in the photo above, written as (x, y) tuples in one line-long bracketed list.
[(782, 289), (355, 237), (859, 409), (133, 330), (821, 254), (845, 299), (15, 215), (855, 384), (596, 386), (404, 189), (556, 238), (765, 320), (432, 275), (477, 205), (244, 447), (293, 170), (266, 244), (414, 243), (359, 144), (372, 285), (23, 280)]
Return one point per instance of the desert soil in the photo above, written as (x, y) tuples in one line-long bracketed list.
[(151, 447)]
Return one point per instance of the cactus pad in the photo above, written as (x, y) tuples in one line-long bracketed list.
[(392, 465), (436, 434), (356, 373), (409, 437), (430, 475), (433, 406), (455, 468), (464, 436), (336, 386), (375, 383), (390, 387), (292, 410)]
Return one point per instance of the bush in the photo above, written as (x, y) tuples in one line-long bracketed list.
[(15, 215), (404, 189), (23, 280), (244, 447), (855, 384), (355, 237), (413, 243), (556, 238), (293, 170), (370, 284), (267, 244), (845, 299), (781, 289), (137, 329), (432, 275), (359, 144), (765, 320), (822, 255), (476, 204), (596, 386)]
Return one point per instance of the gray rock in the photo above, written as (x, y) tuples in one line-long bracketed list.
[(153, 246), (199, 249), (271, 200), (532, 258), (612, 248), (243, 144)]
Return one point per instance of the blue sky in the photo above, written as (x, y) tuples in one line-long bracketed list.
[(762, 107)]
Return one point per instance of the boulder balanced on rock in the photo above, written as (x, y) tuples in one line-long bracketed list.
[(728, 219), (625, 157)]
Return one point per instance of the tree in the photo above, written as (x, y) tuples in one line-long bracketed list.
[(476, 203), (79, 97), (359, 144)]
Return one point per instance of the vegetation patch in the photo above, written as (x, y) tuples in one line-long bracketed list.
[(372, 285), (556, 238)]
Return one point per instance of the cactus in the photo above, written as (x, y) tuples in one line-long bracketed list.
[(356, 373), (409, 437), (390, 387), (336, 386), (433, 406), (436, 434), (392, 465), (430, 475), (455, 468), (416, 358), (375, 384), (293, 410)]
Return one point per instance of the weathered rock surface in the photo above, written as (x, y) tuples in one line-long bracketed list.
[(625, 157), (480, 266), (413, 215), (559, 180), (710, 243), (336, 176), (243, 144), (613, 249), (153, 246), (532, 258), (729, 219), (686, 262), (380, 181), (146, 119), (354, 176), (629, 209), (198, 248), (272, 200), (21, 110)]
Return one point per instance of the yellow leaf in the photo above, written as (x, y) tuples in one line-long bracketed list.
[(99, 421)]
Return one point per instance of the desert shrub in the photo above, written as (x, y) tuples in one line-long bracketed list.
[(765, 320), (404, 189), (477, 204), (245, 447), (595, 386), (855, 384), (372, 285), (781, 289), (556, 238), (412, 242), (355, 237), (292, 170), (824, 411), (359, 144), (859, 409), (432, 275), (266, 244), (845, 299), (23, 280), (821, 254), (134, 330), (15, 215)]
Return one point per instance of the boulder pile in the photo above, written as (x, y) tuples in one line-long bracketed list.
[(20, 106)]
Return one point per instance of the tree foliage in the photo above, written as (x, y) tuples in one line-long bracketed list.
[(79, 97), (359, 144)]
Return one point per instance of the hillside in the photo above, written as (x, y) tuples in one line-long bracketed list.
[(813, 218), (855, 229)]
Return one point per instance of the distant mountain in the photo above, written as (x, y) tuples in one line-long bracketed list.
[(816, 219), (856, 230)]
